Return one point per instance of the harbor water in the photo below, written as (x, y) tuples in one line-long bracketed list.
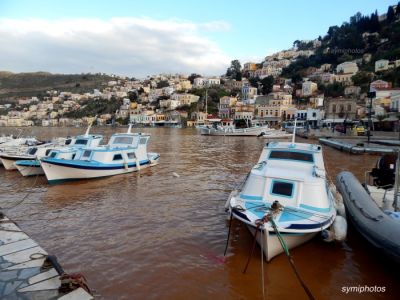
[(160, 233)]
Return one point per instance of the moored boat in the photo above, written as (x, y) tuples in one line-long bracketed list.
[(30, 166), (380, 227), (285, 195), (233, 131), (124, 153)]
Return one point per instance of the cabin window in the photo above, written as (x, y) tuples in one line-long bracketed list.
[(81, 142), (282, 188), (131, 155), (86, 154), (47, 152), (292, 155), (117, 157), (123, 140), (73, 156), (143, 141), (32, 151), (53, 154), (68, 141)]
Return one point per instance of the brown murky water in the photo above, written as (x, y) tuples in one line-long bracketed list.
[(151, 235)]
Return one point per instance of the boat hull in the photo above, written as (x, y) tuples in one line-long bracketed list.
[(58, 172), (271, 246), (236, 132), (8, 163), (29, 167)]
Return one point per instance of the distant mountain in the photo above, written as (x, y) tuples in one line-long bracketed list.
[(14, 85)]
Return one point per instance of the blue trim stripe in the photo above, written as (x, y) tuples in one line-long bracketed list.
[(28, 163), (248, 197), (317, 209), (309, 226), (90, 165)]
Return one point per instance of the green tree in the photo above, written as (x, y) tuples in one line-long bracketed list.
[(267, 84), (235, 70), (390, 14), (162, 84)]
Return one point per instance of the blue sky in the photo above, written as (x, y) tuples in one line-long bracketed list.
[(245, 30)]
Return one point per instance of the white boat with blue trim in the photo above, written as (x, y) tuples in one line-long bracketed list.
[(30, 165), (287, 185), (124, 153)]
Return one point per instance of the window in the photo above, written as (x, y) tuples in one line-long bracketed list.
[(86, 154), (131, 155), (117, 157), (143, 141), (53, 154), (81, 142), (123, 140), (282, 188), (333, 108), (47, 152), (68, 141), (73, 156), (292, 155), (32, 151)]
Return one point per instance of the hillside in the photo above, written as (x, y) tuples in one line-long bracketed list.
[(374, 34), (14, 85)]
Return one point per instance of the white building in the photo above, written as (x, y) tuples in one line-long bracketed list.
[(347, 67), (381, 65), (308, 88)]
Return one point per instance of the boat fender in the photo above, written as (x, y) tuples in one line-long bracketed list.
[(227, 203), (337, 232), (175, 175)]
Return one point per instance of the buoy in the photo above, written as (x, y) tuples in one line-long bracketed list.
[(175, 175)]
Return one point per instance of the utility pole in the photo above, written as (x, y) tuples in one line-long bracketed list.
[(396, 183), (371, 95)]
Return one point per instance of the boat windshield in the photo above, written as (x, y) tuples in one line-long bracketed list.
[(292, 155), (81, 142), (32, 151), (123, 140)]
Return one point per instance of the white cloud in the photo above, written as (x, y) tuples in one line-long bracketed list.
[(126, 46)]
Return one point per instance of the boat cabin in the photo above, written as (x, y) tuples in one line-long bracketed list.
[(292, 174)]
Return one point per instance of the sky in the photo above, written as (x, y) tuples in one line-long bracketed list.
[(141, 38)]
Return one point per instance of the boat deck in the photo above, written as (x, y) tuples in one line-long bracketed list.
[(24, 271)]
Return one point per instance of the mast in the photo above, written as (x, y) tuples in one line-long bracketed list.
[(294, 131)]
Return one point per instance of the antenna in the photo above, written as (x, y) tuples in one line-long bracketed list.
[(129, 128), (294, 131)]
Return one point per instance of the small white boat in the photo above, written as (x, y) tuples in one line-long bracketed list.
[(64, 148), (276, 134), (9, 159), (233, 131), (286, 187), (125, 152)]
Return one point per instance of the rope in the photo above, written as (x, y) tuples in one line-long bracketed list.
[(262, 264), (23, 198), (252, 250), (229, 232), (285, 248)]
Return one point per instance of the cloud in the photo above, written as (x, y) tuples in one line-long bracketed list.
[(126, 46)]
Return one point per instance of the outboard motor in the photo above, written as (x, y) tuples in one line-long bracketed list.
[(384, 172)]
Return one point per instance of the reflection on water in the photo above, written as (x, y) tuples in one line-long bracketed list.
[(152, 235)]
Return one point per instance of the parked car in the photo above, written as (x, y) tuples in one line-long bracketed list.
[(340, 128), (359, 130)]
